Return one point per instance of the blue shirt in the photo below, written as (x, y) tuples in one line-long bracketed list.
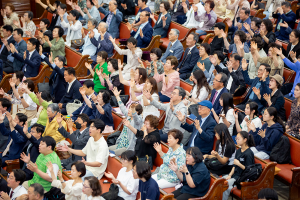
[(106, 117), (138, 31), (149, 189), (296, 67), (258, 84)]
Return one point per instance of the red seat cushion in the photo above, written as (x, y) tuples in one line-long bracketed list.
[(165, 41), (236, 191), (285, 171), (169, 190), (202, 37)]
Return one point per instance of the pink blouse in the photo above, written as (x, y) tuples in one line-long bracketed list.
[(173, 81)]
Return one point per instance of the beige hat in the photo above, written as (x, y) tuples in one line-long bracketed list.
[(278, 78)]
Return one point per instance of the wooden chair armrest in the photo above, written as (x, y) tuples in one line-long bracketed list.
[(155, 42), (209, 31), (166, 196), (12, 164)]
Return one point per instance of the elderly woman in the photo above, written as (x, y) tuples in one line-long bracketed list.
[(239, 38), (266, 33), (57, 45), (9, 16), (28, 25), (88, 48), (164, 20), (190, 14), (207, 19)]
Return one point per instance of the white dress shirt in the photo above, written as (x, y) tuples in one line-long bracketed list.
[(18, 191), (70, 85)]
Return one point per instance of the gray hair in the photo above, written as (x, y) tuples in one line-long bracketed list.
[(195, 37), (223, 78), (54, 107), (181, 91), (93, 21), (175, 31), (38, 188), (105, 25)]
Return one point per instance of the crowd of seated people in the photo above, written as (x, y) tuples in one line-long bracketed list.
[(186, 80)]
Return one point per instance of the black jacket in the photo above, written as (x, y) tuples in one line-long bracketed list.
[(296, 49), (73, 94), (277, 102), (5, 52)]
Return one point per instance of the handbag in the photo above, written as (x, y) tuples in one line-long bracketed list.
[(54, 194), (44, 86), (113, 192), (213, 164), (112, 138), (76, 44), (71, 107), (193, 109), (147, 159), (114, 101)]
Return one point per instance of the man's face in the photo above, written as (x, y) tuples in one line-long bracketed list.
[(172, 36), (190, 41), (243, 16), (217, 30), (16, 36), (233, 61), (175, 95), (30, 47), (34, 133), (143, 17), (6, 33), (101, 28), (11, 181), (203, 110), (42, 25), (140, 3), (217, 84), (88, 90), (260, 71), (111, 6), (68, 77), (43, 147), (31, 194), (57, 62), (3, 110), (285, 9), (93, 130)]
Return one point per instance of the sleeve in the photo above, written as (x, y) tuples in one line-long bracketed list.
[(246, 77), (293, 66), (288, 30), (188, 127), (147, 35), (84, 150), (120, 51), (56, 183), (9, 21), (197, 178), (290, 18), (139, 134), (132, 184), (4, 130), (230, 117), (74, 191), (64, 24), (58, 46), (158, 77), (34, 98), (256, 137), (208, 134), (178, 52), (151, 139), (76, 26), (168, 22), (55, 170), (123, 108), (247, 56), (159, 105), (17, 137)]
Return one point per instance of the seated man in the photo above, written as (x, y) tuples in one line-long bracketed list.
[(72, 90), (142, 4), (284, 14), (28, 25), (90, 12), (202, 130), (178, 12), (52, 126), (31, 148), (44, 24), (40, 169), (88, 48), (217, 44), (190, 58), (88, 90), (163, 22), (14, 181), (35, 192), (12, 65), (144, 32), (96, 150), (126, 7), (79, 137), (5, 105), (6, 41), (15, 141), (176, 104), (244, 18), (31, 59), (113, 18), (174, 48), (219, 88)]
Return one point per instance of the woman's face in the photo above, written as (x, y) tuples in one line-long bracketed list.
[(293, 38), (253, 26), (240, 140), (236, 39), (221, 102), (99, 59), (189, 159), (162, 8), (153, 57), (74, 172), (263, 27), (125, 163), (266, 116), (148, 85), (90, 25), (86, 189), (110, 67), (167, 66), (14, 77), (130, 45), (137, 75), (202, 51), (247, 110), (147, 125), (297, 92), (55, 33), (172, 141), (8, 10), (272, 84), (217, 136)]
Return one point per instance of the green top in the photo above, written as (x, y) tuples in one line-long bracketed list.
[(57, 48), (41, 162), (43, 115), (96, 80)]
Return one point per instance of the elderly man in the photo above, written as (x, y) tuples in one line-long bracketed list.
[(90, 12), (176, 104), (113, 18), (236, 6), (52, 125), (174, 48), (202, 130), (88, 48)]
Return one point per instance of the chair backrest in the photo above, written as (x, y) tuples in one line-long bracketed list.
[(182, 30), (72, 57), (294, 6), (124, 32), (295, 149), (288, 74), (49, 16), (284, 45), (117, 119), (102, 15), (127, 89), (113, 165), (252, 12), (158, 160), (287, 107), (186, 86)]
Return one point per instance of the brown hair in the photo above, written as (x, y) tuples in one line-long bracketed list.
[(30, 83), (138, 108), (154, 121), (153, 82), (103, 55), (177, 134), (143, 73), (94, 185), (173, 60), (11, 6)]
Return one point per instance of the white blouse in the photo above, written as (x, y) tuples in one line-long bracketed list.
[(85, 197), (150, 109), (132, 185), (71, 192), (203, 94), (256, 121), (230, 118), (74, 31), (32, 105)]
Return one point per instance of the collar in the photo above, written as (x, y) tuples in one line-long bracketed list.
[(20, 41), (9, 37), (173, 42), (90, 95), (192, 48), (219, 90), (82, 130), (17, 188), (144, 24), (72, 81), (30, 53), (203, 119), (288, 12)]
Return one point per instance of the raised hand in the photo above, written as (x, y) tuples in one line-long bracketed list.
[(126, 123), (9, 117), (256, 91), (82, 91), (51, 58), (264, 76), (244, 64), (279, 51), (12, 83), (183, 169), (267, 97), (164, 18), (40, 50), (201, 66), (49, 166), (240, 44), (247, 26), (141, 33), (116, 92), (87, 65), (24, 158), (109, 175), (63, 148), (147, 94), (236, 115), (224, 35), (132, 74), (85, 10), (251, 126), (12, 48), (120, 66), (229, 66), (236, 162), (195, 8), (293, 55), (157, 147), (132, 83), (16, 23), (59, 119), (105, 76), (284, 24), (92, 34), (32, 167), (94, 98), (112, 39), (173, 165), (197, 125), (129, 26)]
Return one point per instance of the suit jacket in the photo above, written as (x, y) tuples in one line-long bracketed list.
[(216, 105), (18, 64), (3, 138), (113, 28), (296, 49), (290, 19), (5, 52), (86, 110), (205, 140), (158, 28), (130, 7), (78, 140), (73, 94), (32, 65), (188, 62), (102, 45), (147, 32), (176, 50)]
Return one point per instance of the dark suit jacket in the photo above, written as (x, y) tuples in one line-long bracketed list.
[(32, 65), (188, 62), (3, 138), (289, 18), (113, 28), (73, 94), (105, 45), (147, 32), (216, 106), (158, 28), (57, 82), (130, 7), (86, 110), (205, 140), (18, 64), (296, 49), (5, 52)]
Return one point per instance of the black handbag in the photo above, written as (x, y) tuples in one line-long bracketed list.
[(114, 101), (147, 159), (113, 192), (44, 86), (112, 138), (76, 44), (54, 194), (193, 109), (213, 164)]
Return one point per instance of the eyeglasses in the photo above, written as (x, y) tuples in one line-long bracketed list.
[(217, 80), (85, 186)]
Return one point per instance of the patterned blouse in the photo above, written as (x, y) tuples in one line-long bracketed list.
[(29, 27), (165, 172), (160, 68), (294, 119)]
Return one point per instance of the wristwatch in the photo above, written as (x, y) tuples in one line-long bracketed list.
[(21, 97), (187, 173), (165, 75), (97, 104)]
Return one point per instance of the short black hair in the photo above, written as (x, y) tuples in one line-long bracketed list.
[(99, 124), (22, 118), (60, 30), (132, 40), (157, 52), (8, 28), (75, 14), (196, 153), (19, 75), (63, 6), (5, 103), (223, 78), (34, 42), (38, 188), (19, 31), (242, 35), (30, 14), (19, 175), (39, 128), (129, 155), (46, 21), (105, 96), (247, 10), (296, 33), (49, 142), (143, 170), (30, 84), (70, 71), (206, 46), (268, 194), (114, 63), (274, 45), (61, 59), (89, 84), (57, 2), (267, 67), (286, 4), (257, 21), (220, 55), (80, 167), (236, 57), (85, 118), (166, 5), (145, 1), (46, 96), (91, 2), (103, 55), (177, 134)]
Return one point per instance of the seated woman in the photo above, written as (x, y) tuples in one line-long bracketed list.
[(127, 138), (88, 48), (101, 67), (167, 178), (207, 19), (128, 185), (132, 52), (91, 189), (190, 13), (243, 158), (266, 33), (269, 134), (14, 82), (146, 137), (113, 80), (253, 28), (194, 176), (57, 44), (227, 112), (28, 25), (204, 61), (224, 151), (251, 112), (293, 123), (89, 12), (170, 78), (71, 188), (155, 56), (239, 38), (9, 15), (150, 86), (161, 26)]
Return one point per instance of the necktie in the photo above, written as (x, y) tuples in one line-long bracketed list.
[(7, 148), (188, 50), (11, 194), (215, 96)]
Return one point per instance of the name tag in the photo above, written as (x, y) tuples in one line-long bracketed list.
[(242, 159), (171, 51)]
